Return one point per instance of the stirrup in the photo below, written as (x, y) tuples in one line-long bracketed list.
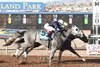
[(49, 37)]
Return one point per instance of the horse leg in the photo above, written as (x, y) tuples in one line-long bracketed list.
[(59, 57), (73, 51), (16, 54), (24, 49), (17, 51), (53, 50), (29, 49), (23, 60)]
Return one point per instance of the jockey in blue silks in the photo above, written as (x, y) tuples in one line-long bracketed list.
[(54, 26)]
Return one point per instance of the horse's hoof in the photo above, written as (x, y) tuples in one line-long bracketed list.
[(83, 59), (14, 55), (17, 57), (59, 62), (22, 62)]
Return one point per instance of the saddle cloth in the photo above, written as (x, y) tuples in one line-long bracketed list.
[(44, 35)]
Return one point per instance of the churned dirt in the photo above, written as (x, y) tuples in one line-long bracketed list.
[(35, 61)]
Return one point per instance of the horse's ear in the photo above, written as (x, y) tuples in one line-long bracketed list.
[(18, 32), (70, 26), (22, 32)]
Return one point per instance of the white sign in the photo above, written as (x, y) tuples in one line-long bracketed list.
[(93, 49), (96, 12), (70, 19)]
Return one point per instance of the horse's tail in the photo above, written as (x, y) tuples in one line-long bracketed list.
[(16, 40), (9, 42)]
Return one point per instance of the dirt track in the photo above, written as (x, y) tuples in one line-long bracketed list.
[(35, 61)]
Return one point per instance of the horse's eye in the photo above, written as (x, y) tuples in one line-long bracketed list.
[(76, 29)]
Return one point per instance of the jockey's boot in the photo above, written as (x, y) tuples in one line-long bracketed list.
[(49, 43), (50, 38)]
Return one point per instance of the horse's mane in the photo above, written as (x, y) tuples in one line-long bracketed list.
[(57, 35), (70, 26)]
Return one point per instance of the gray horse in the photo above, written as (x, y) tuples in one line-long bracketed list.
[(31, 39)]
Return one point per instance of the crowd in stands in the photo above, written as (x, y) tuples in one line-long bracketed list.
[(73, 7)]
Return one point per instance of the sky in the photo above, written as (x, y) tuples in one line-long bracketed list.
[(44, 1)]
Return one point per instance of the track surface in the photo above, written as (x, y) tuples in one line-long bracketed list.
[(35, 61)]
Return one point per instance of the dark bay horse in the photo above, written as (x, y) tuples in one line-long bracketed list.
[(31, 39), (67, 45)]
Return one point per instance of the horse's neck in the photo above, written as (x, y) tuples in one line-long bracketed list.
[(71, 37), (67, 32)]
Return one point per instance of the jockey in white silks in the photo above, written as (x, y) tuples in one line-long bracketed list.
[(53, 26), (48, 27)]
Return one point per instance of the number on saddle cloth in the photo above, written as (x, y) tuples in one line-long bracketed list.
[(44, 35)]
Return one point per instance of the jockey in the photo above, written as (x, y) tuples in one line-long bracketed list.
[(54, 26)]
